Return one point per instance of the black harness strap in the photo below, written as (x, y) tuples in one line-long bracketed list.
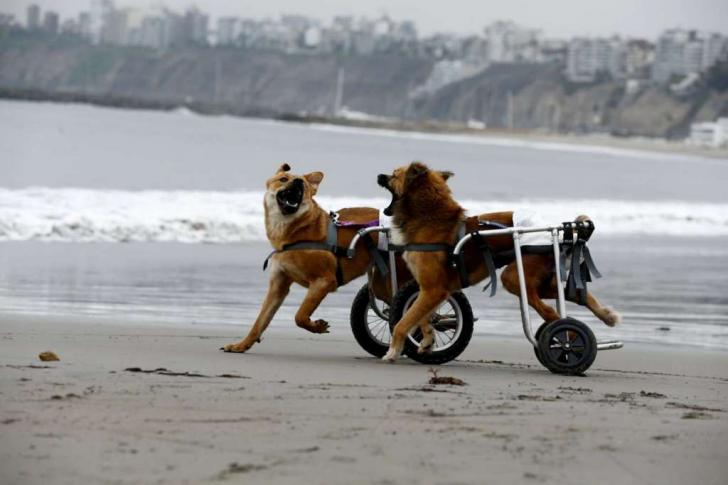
[(376, 255), (332, 246), (566, 248), (422, 247), (489, 264), (487, 257), (312, 245), (459, 262), (582, 264)]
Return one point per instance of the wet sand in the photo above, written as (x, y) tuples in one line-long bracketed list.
[(302, 408)]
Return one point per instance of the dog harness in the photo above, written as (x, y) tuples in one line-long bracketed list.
[(331, 245), (574, 249), (459, 262)]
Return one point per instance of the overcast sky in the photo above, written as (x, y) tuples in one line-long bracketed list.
[(557, 18)]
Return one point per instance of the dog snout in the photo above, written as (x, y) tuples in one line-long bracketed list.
[(383, 180), (292, 186)]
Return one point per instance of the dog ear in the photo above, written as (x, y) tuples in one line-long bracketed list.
[(284, 168), (446, 174), (415, 170), (314, 179)]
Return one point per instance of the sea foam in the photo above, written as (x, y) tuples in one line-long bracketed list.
[(66, 214)]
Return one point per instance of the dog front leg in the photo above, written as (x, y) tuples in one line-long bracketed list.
[(425, 304), (317, 291), (428, 339), (278, 288)]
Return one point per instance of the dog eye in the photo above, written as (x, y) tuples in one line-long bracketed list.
[(283, 179)]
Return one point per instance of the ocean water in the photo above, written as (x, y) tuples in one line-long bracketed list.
[(103, 212)]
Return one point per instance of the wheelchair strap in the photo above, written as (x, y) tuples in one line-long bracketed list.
[(582, 263)]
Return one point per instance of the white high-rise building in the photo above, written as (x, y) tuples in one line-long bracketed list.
[(152, 32), (84, 24), (587, 58), (715, 48), (33, 17), (508, 42), (51, 22), (195, 26), (228, 30), (101, 10), (682, 52)]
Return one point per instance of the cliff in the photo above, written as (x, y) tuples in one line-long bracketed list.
[(522, 97), (541, 99), (249, 82)]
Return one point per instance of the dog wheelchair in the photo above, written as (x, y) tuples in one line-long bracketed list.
[(564, 346)]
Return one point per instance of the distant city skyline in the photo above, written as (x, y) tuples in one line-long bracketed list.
[(556, 18)]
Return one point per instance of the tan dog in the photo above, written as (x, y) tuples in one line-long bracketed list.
[(424, 211), (292, 215)]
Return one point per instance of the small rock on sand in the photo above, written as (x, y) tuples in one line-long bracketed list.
[(435, 379), (48, 356)]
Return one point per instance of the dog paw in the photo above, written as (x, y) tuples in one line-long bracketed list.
[(320, 326), (611, 317), (235, 348), (390, 356), (425, 347)]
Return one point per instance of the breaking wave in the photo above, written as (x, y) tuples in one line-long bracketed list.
[(50, 214)]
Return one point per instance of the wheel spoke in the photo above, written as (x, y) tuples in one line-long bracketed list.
[(382, 332)]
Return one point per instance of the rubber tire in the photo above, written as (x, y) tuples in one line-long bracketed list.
[(536, 350), (590, 346), (358, 320), (435, 357)]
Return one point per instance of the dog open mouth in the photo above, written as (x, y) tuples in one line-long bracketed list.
[(289, 199), (383, 180)]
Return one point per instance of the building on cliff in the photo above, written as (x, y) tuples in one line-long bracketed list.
[(588, 58), (32, 21), (709, 134), (682, 52)]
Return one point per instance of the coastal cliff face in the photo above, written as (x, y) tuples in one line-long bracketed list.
[(522, 97), (537, 97), (249, 82)]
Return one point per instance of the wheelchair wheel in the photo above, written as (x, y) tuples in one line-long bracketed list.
[(567, 346), (370, 323), (536, 350), (451, 323)]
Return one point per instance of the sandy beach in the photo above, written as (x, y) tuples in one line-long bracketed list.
[(132, 244), (315, 409)]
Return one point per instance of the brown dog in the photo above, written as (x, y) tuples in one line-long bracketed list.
[(424, 211), (291, 216)]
